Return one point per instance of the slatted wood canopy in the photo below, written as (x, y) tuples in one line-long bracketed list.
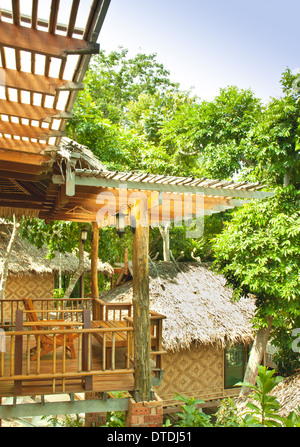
[(42, 174), (43, 64)]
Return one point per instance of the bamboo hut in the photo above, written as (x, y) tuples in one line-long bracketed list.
[(205, 333), (31, 274)]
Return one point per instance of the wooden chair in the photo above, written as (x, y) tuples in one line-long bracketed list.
[(46, 341)]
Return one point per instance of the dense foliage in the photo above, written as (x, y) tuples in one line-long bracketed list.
[(133, 117)]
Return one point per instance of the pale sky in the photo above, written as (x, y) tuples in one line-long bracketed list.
[(211, 44), (205, 44)]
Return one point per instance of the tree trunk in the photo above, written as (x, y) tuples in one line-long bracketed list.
[(11, 243), (141, 317), (78, 273), (165, 234), (287, 178), (256, 356)]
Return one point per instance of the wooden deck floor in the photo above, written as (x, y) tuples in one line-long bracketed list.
[(111, 381)]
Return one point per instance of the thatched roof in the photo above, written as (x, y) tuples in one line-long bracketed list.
[(287, 392), (27, 258), (197, 305)]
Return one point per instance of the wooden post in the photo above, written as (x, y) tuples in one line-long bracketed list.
[(88, 380), (141, 317), (94, 267), (82, 285), (18, 352)]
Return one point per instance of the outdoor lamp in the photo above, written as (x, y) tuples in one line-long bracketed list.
[(84, 235), (121, 219), (120, 223)]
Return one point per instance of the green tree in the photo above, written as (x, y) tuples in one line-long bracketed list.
[(258, 252), (277, 136), (217, 133), (114, 80)]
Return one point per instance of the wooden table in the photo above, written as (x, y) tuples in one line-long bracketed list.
[(120, 337)]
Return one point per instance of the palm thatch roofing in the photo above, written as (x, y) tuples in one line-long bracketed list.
[(197, 304), (287, 392), (27, 259)]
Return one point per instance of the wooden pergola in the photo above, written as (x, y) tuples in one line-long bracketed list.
[(45, 175), (43, 64)]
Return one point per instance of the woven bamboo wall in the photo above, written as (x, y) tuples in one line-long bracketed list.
[(198, 372), (28, 286)]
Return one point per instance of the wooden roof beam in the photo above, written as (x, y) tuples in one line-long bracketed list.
[(21, 176), (25, 146), (22, 204), (31, 112), (41, 22), (23, 130), (22, 198), (24, 159), (37, 83), (48, 44), (20, 171), (145, 186)]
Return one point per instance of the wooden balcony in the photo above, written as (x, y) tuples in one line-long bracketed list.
[(103, 354)]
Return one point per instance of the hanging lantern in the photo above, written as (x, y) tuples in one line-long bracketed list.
[(84, 235)]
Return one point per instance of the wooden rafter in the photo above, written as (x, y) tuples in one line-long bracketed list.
[(12, 144), (24, 130), (48, 44), (36, 83), (39, 83), (31, 112), (26, 159)]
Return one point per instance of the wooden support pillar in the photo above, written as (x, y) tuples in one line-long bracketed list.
[(86, 351), (141, 317), (18, 352), (94, 267)]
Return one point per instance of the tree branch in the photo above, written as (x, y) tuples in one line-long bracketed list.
[(9, 249)]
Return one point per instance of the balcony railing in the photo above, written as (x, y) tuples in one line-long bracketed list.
[(103, 350)]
